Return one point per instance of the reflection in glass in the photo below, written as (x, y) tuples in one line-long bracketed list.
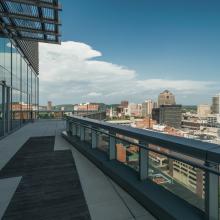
[(22, 87), (127, 154), (103, 141), (180, 178)]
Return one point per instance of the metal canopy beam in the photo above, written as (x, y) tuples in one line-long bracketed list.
[(10, 27), (29, 17), (25, 19), (31, 39), (37, 3)]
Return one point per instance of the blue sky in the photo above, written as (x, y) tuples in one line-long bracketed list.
[(170, 40)]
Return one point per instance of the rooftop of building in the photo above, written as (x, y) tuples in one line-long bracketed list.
[(44, 177)]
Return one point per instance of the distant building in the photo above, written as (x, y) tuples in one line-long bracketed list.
[(86, 107), (147, 107), (120, 111), (134, 110), (42, 108), (213, 120), (166, 98), (145, 123), (156, 114), (170, 115), (203, 110), (155, 105), (191, 177), (111, 113), (216, 104), (124, 104), (49, 106)]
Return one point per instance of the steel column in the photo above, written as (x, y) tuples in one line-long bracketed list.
[(94, 139), (74, 131), (143, 162), (82, 133), (211, 193), (112, 145)]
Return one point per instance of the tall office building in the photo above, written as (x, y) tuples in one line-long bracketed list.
[(22, 26), (203, 110), (170, 115), (216, 104), (166, 98), (156, 114), (49, 106), (147, 107)]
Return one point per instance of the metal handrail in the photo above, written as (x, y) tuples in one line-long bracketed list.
[(194, 148), (208, 154), (191, 163)]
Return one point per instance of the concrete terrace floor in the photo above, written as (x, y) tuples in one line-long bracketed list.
[(104, 198)]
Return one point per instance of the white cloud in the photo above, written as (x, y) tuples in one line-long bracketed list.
[(94, 94), (69, 73)]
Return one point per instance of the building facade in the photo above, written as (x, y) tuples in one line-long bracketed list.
[(216, 104), (19, 85), (166, 98), (170, 115), (22, 26), (213, 120), (86, 107), (156, 114), (203, 110), (124, 103), (134, 110), (147, 107)]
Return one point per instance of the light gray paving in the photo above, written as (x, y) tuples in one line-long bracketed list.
[(138, 210), (105, 199), (7, 189)]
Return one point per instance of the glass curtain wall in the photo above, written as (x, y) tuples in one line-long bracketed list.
[(19, 83)]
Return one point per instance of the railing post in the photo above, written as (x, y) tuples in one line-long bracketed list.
[(82, 132), (211, 193), (94, 138), (87, 135), (143, 162), (74, 130), (112, 145), (78, 130), (67, 126)]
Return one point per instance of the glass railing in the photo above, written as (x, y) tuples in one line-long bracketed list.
[(103, 140), (178, 177), (127, 153), (88, 135), (186, 168)]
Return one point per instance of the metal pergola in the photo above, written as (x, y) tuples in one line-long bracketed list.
[(35, 20)]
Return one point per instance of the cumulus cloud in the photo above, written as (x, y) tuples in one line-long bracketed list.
[(70, 73)]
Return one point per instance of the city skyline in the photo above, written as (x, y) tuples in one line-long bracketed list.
[(208, 103), (150, 48)]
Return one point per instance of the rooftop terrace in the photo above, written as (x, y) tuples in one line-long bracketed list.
[(44, 177)]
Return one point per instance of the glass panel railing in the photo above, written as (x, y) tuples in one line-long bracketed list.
[(103, 141), (178, 177), (16, 119), (77, 130), (219, 197), (88, 135), (182, 175), (127, 154)]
